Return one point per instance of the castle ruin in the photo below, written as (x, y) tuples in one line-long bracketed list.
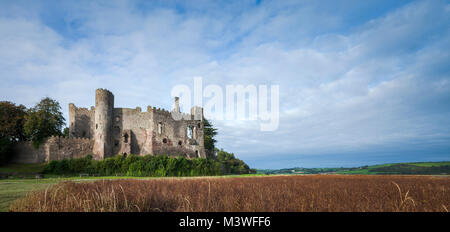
[(105, 131)]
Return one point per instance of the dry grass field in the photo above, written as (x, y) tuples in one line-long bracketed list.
[(309, 193)]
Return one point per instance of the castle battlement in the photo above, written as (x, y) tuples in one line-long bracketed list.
[(74, 107), (62, 138), (103, 91), (161, 111)]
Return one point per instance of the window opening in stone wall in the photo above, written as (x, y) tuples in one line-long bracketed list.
[(160, 127), (117, 118), (189, 132), (116, 143), (196, 153), (164, 140), (96, 126), (125, 138), (179, 142), (84, 133)]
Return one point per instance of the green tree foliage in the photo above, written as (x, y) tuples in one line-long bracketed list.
[(12, 119), (44, 120), (6, 146), (66, 132), (232, 165), (209, 133), (160, 165)]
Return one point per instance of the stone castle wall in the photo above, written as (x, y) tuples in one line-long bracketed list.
[(25, 153), (53, 148), (59, 148), (81, 122), (171, 136), (135, 124)]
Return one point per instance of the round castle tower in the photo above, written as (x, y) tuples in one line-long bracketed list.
[(104, 110)]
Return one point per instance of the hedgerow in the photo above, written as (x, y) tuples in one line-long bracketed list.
[(132, 165)]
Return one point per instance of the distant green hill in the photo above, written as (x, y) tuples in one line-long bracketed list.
[(417, 168)]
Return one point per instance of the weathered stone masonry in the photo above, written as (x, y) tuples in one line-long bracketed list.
[(53, 148), (105, 131)]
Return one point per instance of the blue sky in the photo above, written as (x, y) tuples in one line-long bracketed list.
[(361, 82)]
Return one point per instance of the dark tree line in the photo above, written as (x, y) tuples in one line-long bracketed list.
[(132, 165)]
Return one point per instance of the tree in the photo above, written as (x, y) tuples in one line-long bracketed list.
[(12, 119), (44, 120), (5, 150), (209, 133), (66, 132), (232, 165)]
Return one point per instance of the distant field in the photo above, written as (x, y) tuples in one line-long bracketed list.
[(430, 164), (417, 168), (425, 168), (304, 193)]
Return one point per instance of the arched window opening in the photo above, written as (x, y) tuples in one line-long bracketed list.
[(160, 128), (194, 132), (190, 132), (125, 138)]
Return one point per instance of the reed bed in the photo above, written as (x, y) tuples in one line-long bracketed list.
[(309, 193)]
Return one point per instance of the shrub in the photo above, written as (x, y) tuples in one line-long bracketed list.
[(232, 165), (62, 166), (159, 165)]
